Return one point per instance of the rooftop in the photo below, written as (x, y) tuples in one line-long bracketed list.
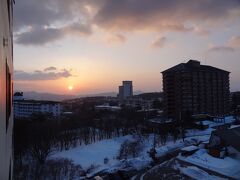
[(18, 94), (193, 65), (230, 136), (36, 101)]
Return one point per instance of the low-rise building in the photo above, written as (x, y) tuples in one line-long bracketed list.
[(25, 108), (225, 141), (107, 107), (235, 99)]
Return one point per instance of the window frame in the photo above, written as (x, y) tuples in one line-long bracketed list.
[(8, 95)]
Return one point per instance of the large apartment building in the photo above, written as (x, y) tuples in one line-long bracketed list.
[(6, 71), (192, 88)]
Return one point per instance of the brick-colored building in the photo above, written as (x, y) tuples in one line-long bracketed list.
[(192, 88), (6, 74)]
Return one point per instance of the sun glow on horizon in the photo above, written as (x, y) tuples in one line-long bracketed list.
[(70, 87)]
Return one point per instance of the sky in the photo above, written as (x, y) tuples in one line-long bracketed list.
[(90, 46)]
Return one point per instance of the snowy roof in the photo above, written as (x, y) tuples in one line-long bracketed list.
[(189, 148), (27, 101), (106, 106), (160, 120), (18, 94), (227, 166), (229, 119), (226, 120), (205, 122), (68, 112)]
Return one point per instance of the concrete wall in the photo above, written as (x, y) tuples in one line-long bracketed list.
[(6, 145)]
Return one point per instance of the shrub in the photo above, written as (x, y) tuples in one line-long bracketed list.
[(106, 160), (130, 149)]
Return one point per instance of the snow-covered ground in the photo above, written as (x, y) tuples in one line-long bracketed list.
[(92, 156), (102, 155)]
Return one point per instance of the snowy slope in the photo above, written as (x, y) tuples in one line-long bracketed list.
[(94, 154)]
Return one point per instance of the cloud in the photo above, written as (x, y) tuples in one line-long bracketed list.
[(234, 42), (51, 68), (162, 15), (201, 32), (39, 36), (41, 22), (78, 29), (42, 35), (73, 17), (159, 42), (221, 49), (231, 46), (50, 73), (116, 38), (47, 12)]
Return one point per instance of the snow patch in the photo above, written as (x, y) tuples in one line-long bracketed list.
[(94, 154), (196, 173)]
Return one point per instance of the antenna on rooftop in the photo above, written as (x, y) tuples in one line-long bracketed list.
[(185, 60), (206, 58)]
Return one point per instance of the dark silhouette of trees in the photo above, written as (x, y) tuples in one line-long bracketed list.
[(40, 135), (157, 104)]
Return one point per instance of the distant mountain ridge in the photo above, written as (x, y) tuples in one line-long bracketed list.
[(150, 95), (111, 94), (46, 96), (60, 97)]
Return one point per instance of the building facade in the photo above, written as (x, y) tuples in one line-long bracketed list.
[(6, 72), (191, 88), (125, 90), (235, 100), (26, 108)]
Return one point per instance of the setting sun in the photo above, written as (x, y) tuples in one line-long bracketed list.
[(70, 87)]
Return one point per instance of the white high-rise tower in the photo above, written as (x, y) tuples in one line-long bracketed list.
[(126, 90)]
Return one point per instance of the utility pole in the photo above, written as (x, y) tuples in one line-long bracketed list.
[(182, 128)]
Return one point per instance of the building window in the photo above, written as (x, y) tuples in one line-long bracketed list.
[(8, 95)]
